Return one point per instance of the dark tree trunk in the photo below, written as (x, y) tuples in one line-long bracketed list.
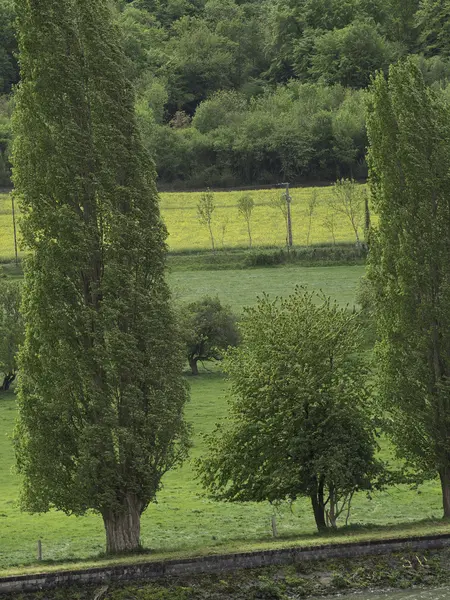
[(444, 475), (194, 366), (7, 381), (319, 513), (123, 529)]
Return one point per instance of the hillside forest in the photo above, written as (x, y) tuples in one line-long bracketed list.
[(253, 92)]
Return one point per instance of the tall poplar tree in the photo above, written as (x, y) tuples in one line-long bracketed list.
[(409, 133), (101, 393)]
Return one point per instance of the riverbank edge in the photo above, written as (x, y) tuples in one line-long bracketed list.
[(220, 564)]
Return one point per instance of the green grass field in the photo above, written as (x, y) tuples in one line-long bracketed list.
[(239, 288), (184, 521), (179, 211)]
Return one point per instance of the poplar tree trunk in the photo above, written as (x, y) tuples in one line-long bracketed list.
[(123, 528), (444, 475)]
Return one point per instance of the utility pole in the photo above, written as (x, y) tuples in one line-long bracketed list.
[(14, 226), (288, 214)]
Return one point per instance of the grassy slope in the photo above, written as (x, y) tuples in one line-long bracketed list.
[(184, 521), (179, 211)]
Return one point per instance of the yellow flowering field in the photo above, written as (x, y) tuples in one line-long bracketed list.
[(268, 228), (6, 228), (179, 210)]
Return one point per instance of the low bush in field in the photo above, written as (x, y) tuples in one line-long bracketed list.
[(348, 254), (345, 254)]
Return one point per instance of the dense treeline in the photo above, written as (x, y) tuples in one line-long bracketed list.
[(296, 131), (233, 92)]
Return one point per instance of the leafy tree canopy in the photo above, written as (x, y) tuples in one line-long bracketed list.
[(299, 423), (350, 55), (433, 22), (208, 329), (183, 54), (11, 330), (9, 72)]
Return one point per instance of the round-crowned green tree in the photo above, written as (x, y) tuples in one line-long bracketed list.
[(299, 423), (101, 393), (11, 331), (208, 329)]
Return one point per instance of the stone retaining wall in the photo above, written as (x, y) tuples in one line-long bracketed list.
[(217, 563)]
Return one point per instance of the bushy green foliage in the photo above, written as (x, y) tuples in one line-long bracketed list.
[(5, 140), (9, 72), (299, 422), (350, 55), (214, 59), (11, 330), (433, 22), (301, 130), (208, 328)]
